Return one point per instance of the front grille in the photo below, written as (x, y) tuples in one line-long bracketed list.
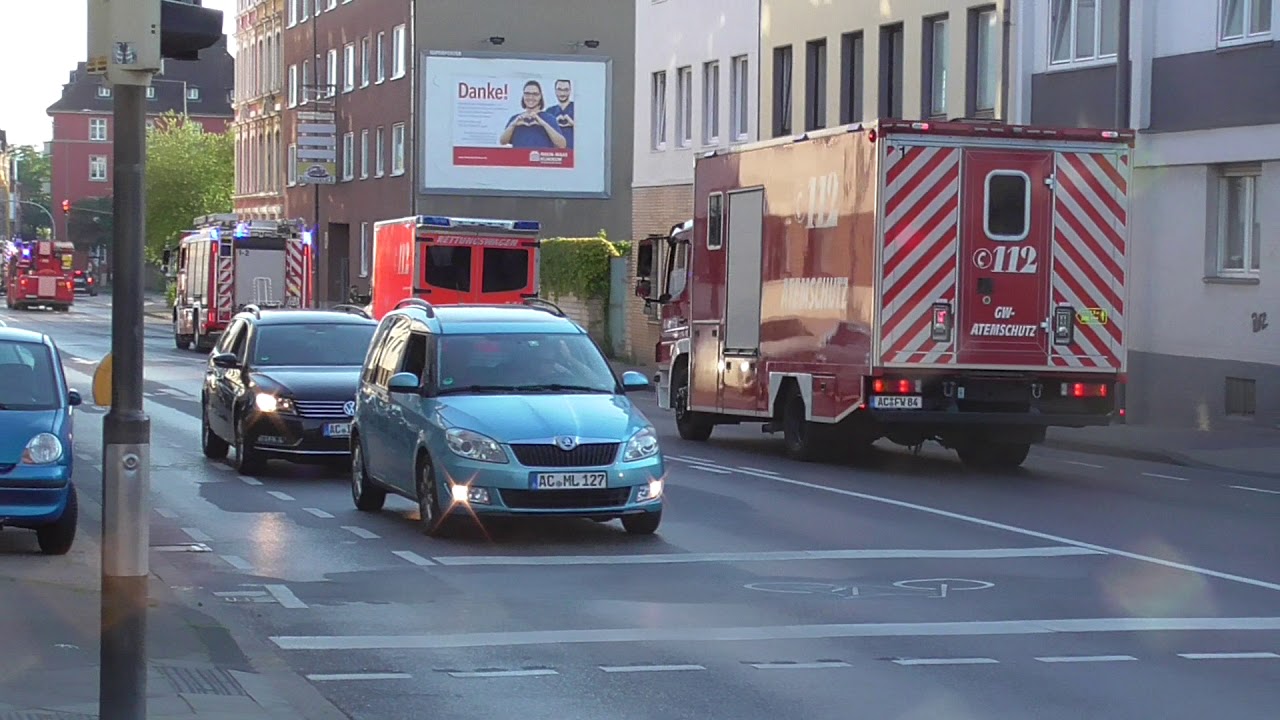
[(565, 499), (321, 408), (587, 455)]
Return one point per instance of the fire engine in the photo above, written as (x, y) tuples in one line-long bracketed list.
[(451, 260), (38, 273), (226, 264), (960, 282)]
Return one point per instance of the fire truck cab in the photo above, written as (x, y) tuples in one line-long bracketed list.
[(225, 264), (452, 260), (38, 273)]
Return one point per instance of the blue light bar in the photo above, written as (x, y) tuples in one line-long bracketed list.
[(242, 230), (528, 225), (213, 232), (435, 221), (306, 237)]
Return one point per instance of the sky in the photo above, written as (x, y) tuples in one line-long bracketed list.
[(43, 40)]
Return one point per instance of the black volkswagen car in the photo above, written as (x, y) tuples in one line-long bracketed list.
[(281, 384)]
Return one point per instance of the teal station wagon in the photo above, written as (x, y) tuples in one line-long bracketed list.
[(484, 411)]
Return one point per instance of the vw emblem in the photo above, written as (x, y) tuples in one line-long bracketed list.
[(566, 443), (349, 407)]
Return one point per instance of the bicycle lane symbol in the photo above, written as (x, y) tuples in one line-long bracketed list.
[(922, 587)]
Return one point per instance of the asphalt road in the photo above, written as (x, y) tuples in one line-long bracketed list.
[(1082, 586)]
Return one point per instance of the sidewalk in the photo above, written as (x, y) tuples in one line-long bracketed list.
[(1248, 449)]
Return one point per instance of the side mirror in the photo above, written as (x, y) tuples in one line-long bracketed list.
[(226, 361), (404, 382), (73, 398), (632, 380)]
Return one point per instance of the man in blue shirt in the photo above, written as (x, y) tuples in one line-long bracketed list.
[(562, 114)]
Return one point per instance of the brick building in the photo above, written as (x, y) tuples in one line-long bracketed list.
[(259, 99)]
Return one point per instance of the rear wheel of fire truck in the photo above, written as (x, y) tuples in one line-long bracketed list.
[(690, 424), (182, 342), (988, 455), (804, 440)]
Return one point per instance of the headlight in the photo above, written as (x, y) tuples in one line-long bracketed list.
[(270, 403), (474, 446), (643, 444), (650, 492), (42, 449)]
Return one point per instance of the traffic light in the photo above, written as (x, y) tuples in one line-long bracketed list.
[(66, 206), (186, 28)]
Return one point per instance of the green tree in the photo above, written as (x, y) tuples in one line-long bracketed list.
[(89, 224), (33, 177), (190, 173)]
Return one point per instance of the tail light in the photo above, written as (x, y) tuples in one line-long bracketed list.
[(1085, 390), (940, 322), (901, 386), (1064, 325)]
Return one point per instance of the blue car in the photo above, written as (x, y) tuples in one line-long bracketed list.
[(36, 491), (481, 411)]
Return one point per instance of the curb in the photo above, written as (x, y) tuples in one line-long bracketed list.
[(1166, 457)]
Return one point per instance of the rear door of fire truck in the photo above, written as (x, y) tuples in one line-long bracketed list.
[(469, 260), (259, 265)]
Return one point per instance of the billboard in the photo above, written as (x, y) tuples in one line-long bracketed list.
[(504, 125)]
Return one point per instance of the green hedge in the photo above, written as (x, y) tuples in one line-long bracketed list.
[(578, 266)]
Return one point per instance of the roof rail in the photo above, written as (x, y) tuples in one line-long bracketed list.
[(352, 310), (252, 308), (417, 302), (539, 303)]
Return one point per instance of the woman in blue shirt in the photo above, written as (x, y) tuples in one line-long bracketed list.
[(532, 128)]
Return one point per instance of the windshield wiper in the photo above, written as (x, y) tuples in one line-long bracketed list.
[(561, 387), (477, 389)]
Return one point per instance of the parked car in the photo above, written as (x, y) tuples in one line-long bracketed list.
[(511, 410), (282, 384), (36, 457)]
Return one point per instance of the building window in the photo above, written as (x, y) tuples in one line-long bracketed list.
[(1241, 21), (306, 82), (1239, 230), (891, 71), (684, 106), (104, 91), (349, 67), (397, 52), (739, 98), (364, 249), (851, 59), (193, 93), (364, 62), (98, 129), (711, 103), (364, 154), (935, 67), (1081, 30), (379, 142), (292, 170), (293, 12), (397, 149), (305, 7), (293, 86), (815, 84), (985, 80), (331, 73), (782, 91), (382, 56), (332, 5), (1241, 395), (348, 156), (98, 168), (151, 92), (658, 111)]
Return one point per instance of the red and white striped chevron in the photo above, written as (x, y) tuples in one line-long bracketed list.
[(921, 238), (1090, 223), (226, 287), (293, 261)]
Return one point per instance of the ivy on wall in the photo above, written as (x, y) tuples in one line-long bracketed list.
[(578, 266)]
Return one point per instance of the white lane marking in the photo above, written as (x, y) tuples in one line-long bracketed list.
[(946, 661), (412, 557), (770, 556), (708, 468), (360, 532), (649, 668), (800, 665), (1254, 489), (197, 534), (279, 495), (1025, 531), (285, 596), (166, 513), (1159, 476), (504, 673), (250, 481), (1082, 464), (1230, 656), (237, 562), (318, 512), (359, 676), (777, 632), (1084, 658), (690, 459), (758, 470)]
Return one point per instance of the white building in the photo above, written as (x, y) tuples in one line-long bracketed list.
[(1204, 297)]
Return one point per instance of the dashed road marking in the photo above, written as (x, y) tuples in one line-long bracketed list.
[(758, 470), (317, 512), (285, 596), (1083, 464), (250, 481), (197, 534), (946, 661), (1230, 656), (767, 556), (801, 665), (650, 668), (360, 532), (412, 557), (504, 673), (1084, 658), (320, 677), (1159, 476), (708, 468), (166, 513), (279, 495), (1254, 489), (691, 459), (237, 562)]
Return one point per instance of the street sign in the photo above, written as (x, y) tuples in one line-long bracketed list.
[(102, 382)]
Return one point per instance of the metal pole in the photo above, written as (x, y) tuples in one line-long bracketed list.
[(1124, 68), (53, 227), (126, 436), (314, 270)]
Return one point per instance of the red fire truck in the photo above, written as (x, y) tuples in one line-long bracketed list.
[(450, 260), (38, 273), (226, 264), (962, 282)]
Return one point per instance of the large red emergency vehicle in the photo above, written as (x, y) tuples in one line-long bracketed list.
[(226, 264), (451, 260), (38, 273), (962, 282)]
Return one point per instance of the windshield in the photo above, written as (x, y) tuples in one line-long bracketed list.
[(312, 344), (27, 380), (525, 362)]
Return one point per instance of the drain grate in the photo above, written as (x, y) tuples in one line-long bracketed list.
[(202, 681), (44, 715)]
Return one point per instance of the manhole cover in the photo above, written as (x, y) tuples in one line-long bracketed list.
[(202, 681)]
